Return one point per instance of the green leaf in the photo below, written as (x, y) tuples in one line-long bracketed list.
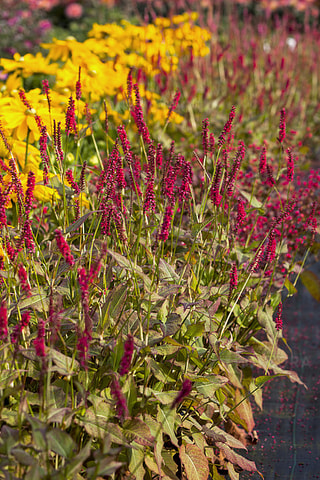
[(35, 473), (260, 381), (161, 371), (23, 457), (195, 330), (166, 398), (227, 356), (64, 365), (115, 301), (168, 419), (39, 301), (312, 282), (76, 464), (8, 376), (207, 386), (104, 467), (139, 431), (252, 200), (290, 287), (61, 443), (167, 271), (39, 432), (172, 325), (136, 462), (125, 263), (75, 225), (194, 461)]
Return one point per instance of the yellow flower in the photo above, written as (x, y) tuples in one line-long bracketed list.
[(65, 49), (29, 64)]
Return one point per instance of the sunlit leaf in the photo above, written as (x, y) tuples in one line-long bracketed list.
[(236, 459), (167, 418), (39, 301), (194, 461), (290, 287), (244, 410), (252, 200), (136, 462), (195, 330), (210, 384)]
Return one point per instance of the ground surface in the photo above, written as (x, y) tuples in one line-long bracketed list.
[(289, 427)]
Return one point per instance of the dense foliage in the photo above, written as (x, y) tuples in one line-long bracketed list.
[(154, 215)]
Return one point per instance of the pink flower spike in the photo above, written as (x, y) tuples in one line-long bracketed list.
[(127, 356), (23, 278), (290, 166), (184, 392), (78, 86), (173, 105), (64, 247), (233, 279), (71, 124), (278, 320), (282, 125), (121, 403), (39, 342), (3, 321)]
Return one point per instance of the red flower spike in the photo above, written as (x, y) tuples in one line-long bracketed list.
[(121, 403), (71, 124), (3, 321), (173, 105), (127, 356), (17, 330), (184, 392), (282, 126), (278, 320), (64, 247), (205, 136), (78, 86)]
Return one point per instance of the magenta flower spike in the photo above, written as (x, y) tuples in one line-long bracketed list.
[(64, 247), (184, 392)]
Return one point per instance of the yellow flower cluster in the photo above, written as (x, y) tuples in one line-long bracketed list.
[(105, 59)]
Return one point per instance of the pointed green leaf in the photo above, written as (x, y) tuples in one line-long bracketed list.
[(61, 443), (290, 287), (115, 301), (244, 410), (195, 330), (75, 225), (39, 301), (252, 200), (136, 462), (207, 386), (167, 271), (64, 365), (23, 457), (260, 381), (168, 419)]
